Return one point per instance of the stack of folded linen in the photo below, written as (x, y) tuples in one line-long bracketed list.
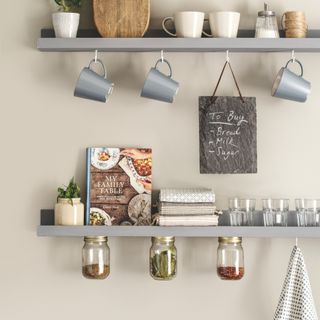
[(187, 207)]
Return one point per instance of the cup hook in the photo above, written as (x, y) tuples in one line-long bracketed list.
[(95, 56), (227, 56), (161, 56), (293, 58)]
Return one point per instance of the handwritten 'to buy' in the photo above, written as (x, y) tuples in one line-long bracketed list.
[(225, 129)]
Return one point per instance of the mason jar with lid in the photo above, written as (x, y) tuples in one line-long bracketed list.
[(230, 260), (95, 258), (163, 258)]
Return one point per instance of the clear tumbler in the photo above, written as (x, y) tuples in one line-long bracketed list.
[(241, 211), (275, 212), (308, 211)]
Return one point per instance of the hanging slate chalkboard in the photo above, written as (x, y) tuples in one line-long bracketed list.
[(228, 132)]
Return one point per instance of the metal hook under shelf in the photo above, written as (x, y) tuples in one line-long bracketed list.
[(293, 58), (227, 56), (161, 56)]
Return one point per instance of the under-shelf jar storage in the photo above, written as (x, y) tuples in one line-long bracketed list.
[(230, 259), (163, 258), (95, 258)]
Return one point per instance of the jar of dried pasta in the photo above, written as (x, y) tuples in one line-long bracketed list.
[(230, 260), (163, 258), (95, 258)]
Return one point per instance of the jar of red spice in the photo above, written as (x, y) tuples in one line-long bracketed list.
[(230, 260)]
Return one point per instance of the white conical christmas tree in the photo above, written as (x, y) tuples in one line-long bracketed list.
[(296, 301)]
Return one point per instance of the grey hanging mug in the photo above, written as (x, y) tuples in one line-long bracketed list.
[(159, 86), (92, 85), (291, 86)]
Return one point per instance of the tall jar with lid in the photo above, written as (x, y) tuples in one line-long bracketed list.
[(95, 258), (230, 259), (163, 258)]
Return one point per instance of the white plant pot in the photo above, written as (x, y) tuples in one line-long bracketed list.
[(69, 213), (65, 24)]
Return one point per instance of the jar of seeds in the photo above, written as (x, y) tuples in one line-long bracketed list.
[(230, 260), (95, 258), (163, 258)]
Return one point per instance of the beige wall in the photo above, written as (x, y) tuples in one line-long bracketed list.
[(45, 130)]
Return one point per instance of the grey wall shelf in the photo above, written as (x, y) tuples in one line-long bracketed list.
[(149, 231), (47, 229), (155, 40)]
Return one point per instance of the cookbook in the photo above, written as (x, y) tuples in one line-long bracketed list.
[(119, 185)]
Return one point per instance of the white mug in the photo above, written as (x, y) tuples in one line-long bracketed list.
[(224, 24), (188, 24)]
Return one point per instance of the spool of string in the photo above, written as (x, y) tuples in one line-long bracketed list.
[(294, 24)]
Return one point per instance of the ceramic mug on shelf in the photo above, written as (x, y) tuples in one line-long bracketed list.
[(188, 24), (291, 86), (159, 86), (92, 85), (224, 24)]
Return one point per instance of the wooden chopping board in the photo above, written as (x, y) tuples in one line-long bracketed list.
[(121, 18)]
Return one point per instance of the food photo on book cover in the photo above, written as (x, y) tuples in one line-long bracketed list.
[(119, 184)]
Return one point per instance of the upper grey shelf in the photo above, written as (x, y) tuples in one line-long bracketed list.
[(155, 40)]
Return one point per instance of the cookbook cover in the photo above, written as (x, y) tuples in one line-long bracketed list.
[(119, 186)]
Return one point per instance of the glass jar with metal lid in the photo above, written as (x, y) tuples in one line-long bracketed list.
[(95, 258), (267, 26), (163, 258), (230, 259)]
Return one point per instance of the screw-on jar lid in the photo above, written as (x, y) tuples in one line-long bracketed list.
[(266, 12), (230, 240), (166, 239), (96, 238)]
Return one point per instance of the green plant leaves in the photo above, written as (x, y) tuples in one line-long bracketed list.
[(163, 265), (71, 191), (68, 5)]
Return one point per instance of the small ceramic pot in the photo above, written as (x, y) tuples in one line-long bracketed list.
[(69, 212), (65, 24)]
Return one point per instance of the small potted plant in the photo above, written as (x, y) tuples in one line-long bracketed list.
[(66, 21), (69, 211)]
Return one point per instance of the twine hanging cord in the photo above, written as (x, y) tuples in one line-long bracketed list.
[(234, 78)]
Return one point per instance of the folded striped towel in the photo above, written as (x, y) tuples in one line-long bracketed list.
[(174, 208), (202, 220), (194, 195)]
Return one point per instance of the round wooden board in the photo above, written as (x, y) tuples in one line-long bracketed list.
[(121, 18)]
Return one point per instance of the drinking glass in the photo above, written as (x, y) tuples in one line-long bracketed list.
[(308, 212), (241, 211), (275, 212), (235, 213)]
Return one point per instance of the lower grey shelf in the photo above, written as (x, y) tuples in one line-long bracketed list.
[(149, 231), (47, 229)]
